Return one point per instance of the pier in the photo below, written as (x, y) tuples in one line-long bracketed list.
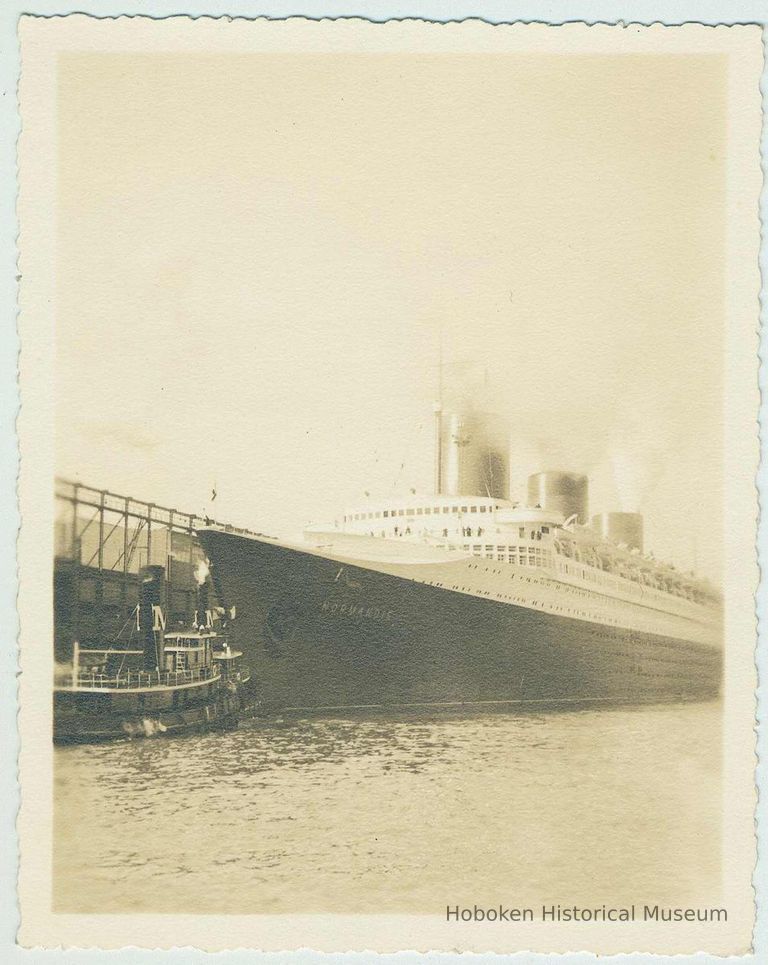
[(102, 539)]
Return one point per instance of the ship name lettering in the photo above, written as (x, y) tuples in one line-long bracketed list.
[(355, 610)]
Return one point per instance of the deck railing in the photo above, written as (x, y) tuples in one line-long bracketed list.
[(134, 679), (219, 642)]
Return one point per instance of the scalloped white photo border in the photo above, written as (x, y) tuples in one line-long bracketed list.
[(490, 12)]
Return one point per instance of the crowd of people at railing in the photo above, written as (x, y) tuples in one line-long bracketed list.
[(424, 533), (637, 569)]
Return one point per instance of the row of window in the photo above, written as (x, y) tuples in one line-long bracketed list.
[(569, 589), (637, 585), (534, 557), (520, 555), (419, 511)]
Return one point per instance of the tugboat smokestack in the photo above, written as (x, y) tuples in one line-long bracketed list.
[(151, 618)]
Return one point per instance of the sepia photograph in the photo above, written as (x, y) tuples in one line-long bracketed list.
[(390, 396)]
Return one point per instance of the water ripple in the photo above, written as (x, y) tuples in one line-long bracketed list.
[(393, 814)]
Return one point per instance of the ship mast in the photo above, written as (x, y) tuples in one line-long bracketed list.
[(438, 410)]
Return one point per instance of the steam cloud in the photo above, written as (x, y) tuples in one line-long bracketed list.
[(202, 571)]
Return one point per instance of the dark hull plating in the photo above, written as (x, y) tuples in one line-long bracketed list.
[(324, 637)]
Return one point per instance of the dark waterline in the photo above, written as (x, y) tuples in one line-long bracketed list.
[(395, 814)]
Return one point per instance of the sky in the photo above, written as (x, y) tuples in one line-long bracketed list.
[(257, 254)]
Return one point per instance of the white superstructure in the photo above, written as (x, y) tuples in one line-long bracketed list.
[(523, 555)]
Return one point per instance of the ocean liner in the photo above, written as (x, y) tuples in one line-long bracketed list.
[(468, 598)]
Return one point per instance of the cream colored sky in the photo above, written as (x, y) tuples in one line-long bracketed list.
[(256, 251)]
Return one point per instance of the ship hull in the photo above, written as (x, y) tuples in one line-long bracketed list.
[(322, 635), (85, 717)]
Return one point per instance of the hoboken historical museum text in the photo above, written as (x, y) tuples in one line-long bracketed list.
[(565, 913)]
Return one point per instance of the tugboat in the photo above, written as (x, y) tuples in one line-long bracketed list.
[(178, 681)]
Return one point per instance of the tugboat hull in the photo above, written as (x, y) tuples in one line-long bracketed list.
[(85, 718)]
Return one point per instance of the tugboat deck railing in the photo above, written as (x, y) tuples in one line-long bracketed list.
[(144, 679)]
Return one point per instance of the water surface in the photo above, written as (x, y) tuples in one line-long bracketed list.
[(395, 814)]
